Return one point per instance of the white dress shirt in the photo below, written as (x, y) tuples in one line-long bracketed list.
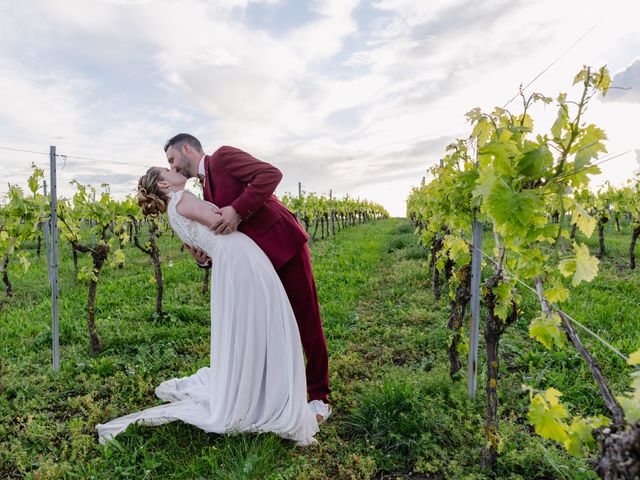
[(201, 170)]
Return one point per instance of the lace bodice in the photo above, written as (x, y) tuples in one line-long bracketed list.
[(190, 231)]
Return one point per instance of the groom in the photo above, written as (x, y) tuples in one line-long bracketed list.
[(242, 187)]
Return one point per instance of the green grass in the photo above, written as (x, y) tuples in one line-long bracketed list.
[(396, 413)]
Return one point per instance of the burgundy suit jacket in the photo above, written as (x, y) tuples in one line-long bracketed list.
[(235, 178)]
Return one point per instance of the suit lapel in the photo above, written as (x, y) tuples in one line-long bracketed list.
[(208, 180)]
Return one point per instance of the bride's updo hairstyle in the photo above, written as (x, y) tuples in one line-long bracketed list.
[(151, 199)]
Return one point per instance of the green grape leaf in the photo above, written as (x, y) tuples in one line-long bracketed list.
[(484, 183), (580, 178), (463, 346), (458, 250), (579, 439), (531, 261), (581, 76), (24, 261), (482, 131), (474, 115), (118, 258), (503, 307), (585, 222), (526, 121), (560, 123), (546, 415), (552, 395), (586, 265), (87, 273), (33, 184), (578, 435), (634, 358), (589, 145), (603, 80), (535, 162), (583, 267), (557, 293), (630, 403), (567, 267), (546, 329), (514, 213), (541, 233), (501, 151)]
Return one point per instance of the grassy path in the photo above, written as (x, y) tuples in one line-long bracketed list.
[(396, 413)]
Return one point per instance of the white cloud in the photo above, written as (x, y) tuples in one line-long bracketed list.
[(40, 105), (361, 96), (626, 85)]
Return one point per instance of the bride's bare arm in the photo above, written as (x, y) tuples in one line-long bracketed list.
[(193, 208)]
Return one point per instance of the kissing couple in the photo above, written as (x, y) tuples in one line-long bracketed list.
[(264, 305)]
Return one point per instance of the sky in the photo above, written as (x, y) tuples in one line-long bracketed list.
[(358, 97)]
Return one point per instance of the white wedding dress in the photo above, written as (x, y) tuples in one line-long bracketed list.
[(256, 379)]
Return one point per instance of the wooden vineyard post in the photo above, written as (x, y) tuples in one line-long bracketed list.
[(331, 213)]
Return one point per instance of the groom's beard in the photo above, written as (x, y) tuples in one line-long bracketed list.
[(184, 172)]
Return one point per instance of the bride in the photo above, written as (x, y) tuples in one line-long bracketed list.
[(256, 379)]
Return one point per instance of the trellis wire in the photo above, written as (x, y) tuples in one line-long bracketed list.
[(555, 307)]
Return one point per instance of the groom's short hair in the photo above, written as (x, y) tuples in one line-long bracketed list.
[(182, 138)]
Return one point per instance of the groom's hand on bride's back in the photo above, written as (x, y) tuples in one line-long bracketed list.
[(227, 222)]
